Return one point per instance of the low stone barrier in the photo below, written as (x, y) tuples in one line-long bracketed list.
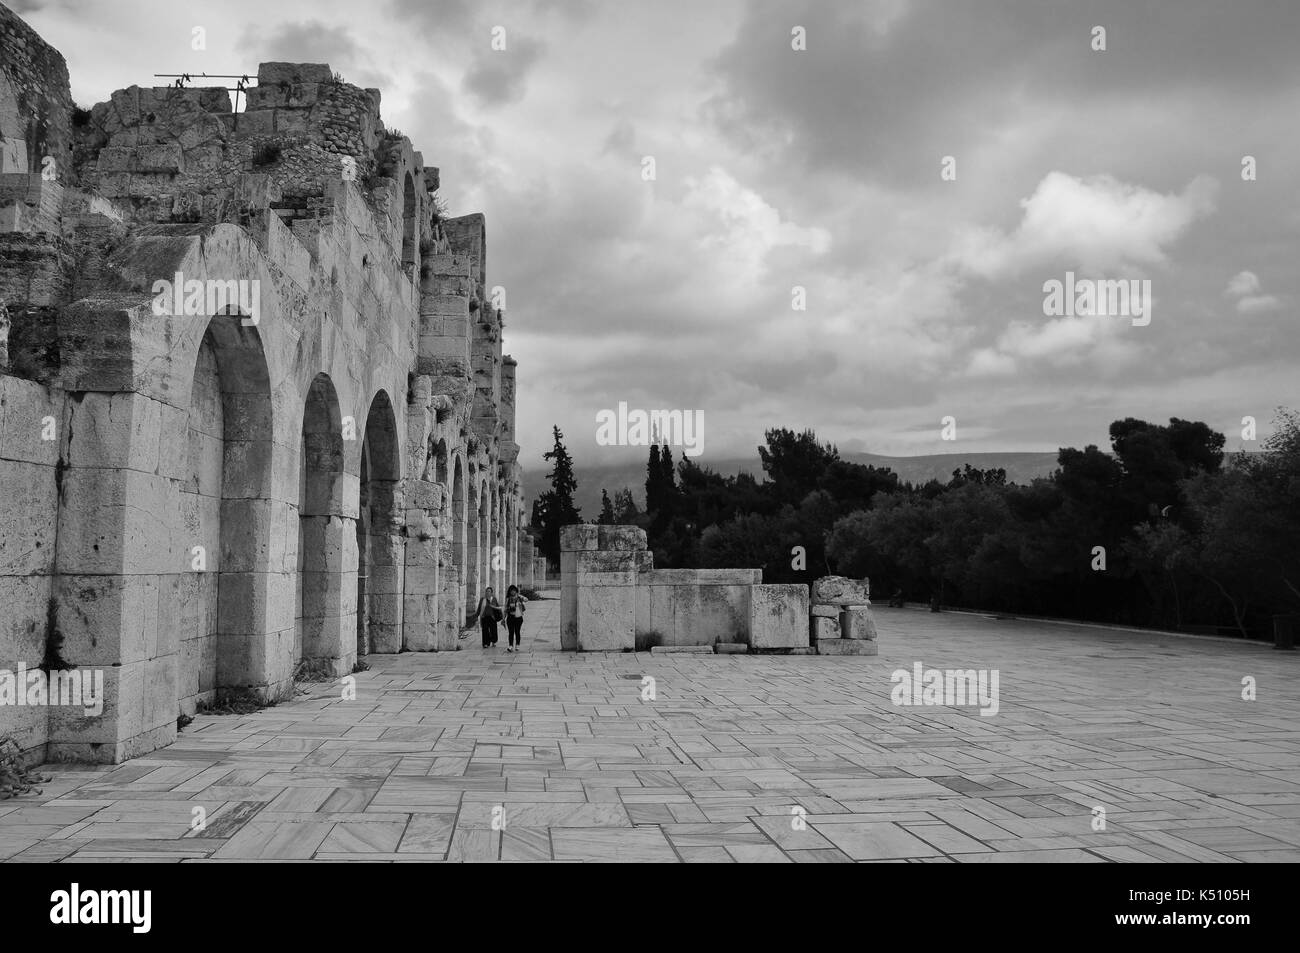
[(612, 599)]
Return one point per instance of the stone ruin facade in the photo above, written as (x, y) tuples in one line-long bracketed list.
[(300, 451), (612, 599)]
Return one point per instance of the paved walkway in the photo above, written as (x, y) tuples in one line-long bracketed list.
[(547, 756)]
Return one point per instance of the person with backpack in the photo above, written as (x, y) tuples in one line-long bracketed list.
[(515, 607), (488, 614)]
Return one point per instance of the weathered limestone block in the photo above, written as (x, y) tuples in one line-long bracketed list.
[(27, 536), (824, 628), (856, 623), (645, 561), (599, 561), (622, 538), (273, 74), (569, 613), (826, 611), (29, 413), (841, 590), (580, 536), (26, 602), (122, 717), (108, 619), (606, 618), (420, 623), (778, 616), (846, 647)]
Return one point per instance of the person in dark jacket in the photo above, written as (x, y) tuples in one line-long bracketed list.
[(487, 615), (515, 607)]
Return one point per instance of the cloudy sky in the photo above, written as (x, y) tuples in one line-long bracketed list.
[(822, 169)]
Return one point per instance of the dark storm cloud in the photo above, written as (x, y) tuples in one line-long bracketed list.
[(312, 41), (497, 77), (885, 88)]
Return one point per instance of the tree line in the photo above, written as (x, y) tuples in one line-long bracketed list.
[(1164, 530)]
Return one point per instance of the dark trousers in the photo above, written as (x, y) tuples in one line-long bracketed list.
[(513, 626), (489, 631)]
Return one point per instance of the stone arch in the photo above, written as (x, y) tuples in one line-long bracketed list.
[(473, 542), (226, 501), (459, 494), (440, 462), (320, 629), (380, 547), (497, 574), (410, 224)]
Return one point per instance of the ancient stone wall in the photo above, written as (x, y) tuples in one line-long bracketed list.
[(255, 404), (613, 599), (36, 111)]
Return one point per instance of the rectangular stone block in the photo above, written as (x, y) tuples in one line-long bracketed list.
[(579, 536), (730, 648), (626, 538), (587, 579), (30, 412), (824, 628), (606, 618), (569, 614), (846, 647), (778, 616), (826, 611), (856, 623), (599, 561), (28, 531), (701, 577)]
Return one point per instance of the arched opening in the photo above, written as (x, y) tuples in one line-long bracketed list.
[(410, 226), (473, 544), (223, 638), (459, 510), (320, 639), (495, 552), (380, 548), (440, 462)]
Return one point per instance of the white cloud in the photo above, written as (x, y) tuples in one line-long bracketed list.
[(1097, 224), (1242, 283), (1257, 304), (1245, 287)]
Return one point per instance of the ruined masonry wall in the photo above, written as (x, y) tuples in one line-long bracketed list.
[(223, 504)]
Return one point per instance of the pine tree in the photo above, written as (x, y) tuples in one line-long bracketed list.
[(555, 508), (667, 480), (606, 509), (625, 511), (654, 481)]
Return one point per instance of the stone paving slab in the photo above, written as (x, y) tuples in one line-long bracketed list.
[(484, 755)]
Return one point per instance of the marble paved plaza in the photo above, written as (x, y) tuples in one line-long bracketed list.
[(494, 756)]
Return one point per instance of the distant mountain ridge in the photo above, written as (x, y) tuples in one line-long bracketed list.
[(1021, 467)]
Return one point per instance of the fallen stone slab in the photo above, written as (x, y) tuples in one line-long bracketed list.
[(847, 647), (856, 623), (730, 648), (841, 590), (689, 649)]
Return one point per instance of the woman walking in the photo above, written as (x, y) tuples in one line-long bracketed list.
[(515, 607), (487, 615)]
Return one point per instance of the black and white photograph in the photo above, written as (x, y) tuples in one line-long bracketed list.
[(690, 432)]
